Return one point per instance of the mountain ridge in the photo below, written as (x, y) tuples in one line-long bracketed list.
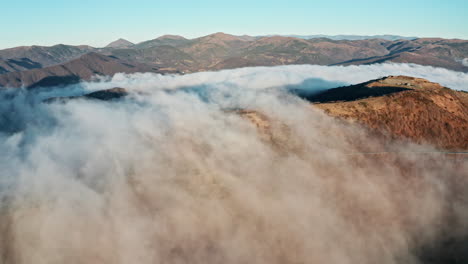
[(224, 51)]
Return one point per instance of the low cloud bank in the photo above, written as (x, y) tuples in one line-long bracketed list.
[(267, 77), (173, 174)]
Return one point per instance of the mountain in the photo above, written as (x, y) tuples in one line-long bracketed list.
[(280, 50), (212, 49), (83, 68), (43, 56), (394, 107), (164, 57), (171, 40), (445, 53), (353, 37), (224, 51), (402, 107), (120, 43)]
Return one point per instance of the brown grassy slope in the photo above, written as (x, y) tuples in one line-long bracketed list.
[(425, 113)]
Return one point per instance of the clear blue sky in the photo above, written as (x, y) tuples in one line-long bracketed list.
[(97, 22)]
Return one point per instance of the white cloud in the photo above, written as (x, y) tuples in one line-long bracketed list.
[(465, 62), (265, 77), (174, 176)]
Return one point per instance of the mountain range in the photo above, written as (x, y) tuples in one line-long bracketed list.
[(353, 37), (170, 53)]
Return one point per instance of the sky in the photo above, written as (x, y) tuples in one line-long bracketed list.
[(98, 22)]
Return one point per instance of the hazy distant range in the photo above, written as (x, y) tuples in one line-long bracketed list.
[(351, 37)]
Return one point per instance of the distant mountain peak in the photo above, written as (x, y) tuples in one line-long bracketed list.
[(223, 36), (353, 37), (220, 34), (175, 37), (120, 43)]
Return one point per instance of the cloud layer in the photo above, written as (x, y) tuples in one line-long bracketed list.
[(174, 174), (266, 77)]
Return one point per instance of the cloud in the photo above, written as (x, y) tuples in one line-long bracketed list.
[(172, 173), (266, 77), (465, 62)]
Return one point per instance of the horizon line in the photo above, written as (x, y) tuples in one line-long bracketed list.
[(370, 36)]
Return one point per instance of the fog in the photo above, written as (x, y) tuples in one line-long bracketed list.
[(266, 77), (176, 173)]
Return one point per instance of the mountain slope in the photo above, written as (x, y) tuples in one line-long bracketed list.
[(403, 107), (82, 68)]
